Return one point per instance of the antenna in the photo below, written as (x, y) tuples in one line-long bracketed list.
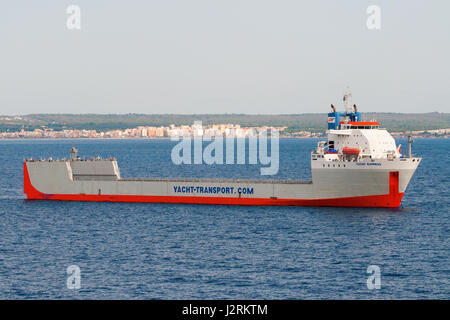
[(410, 141)]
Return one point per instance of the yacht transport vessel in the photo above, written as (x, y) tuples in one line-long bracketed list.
[(359, 166)]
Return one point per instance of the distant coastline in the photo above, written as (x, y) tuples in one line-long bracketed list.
[(145, 126), (397, 136)]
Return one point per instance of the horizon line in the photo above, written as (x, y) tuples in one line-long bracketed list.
[(215, 114)]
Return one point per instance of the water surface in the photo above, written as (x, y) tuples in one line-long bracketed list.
[(165, 251)]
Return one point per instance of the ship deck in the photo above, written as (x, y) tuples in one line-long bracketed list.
[(215, 180)]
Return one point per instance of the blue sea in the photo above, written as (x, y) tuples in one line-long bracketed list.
[(165, 251)]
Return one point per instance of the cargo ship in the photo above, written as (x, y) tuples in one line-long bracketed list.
[(359, 165)]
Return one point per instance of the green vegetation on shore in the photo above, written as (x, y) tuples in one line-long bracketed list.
[(295, 122)]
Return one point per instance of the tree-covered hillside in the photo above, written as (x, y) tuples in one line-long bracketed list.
[(295, 122)]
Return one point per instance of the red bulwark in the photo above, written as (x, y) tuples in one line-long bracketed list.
[(392, 200), (364, 123)]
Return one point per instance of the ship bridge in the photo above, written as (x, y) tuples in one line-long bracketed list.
[(352, 139), (365, 143)]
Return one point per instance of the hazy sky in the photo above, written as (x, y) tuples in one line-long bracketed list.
[(223, 56)]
